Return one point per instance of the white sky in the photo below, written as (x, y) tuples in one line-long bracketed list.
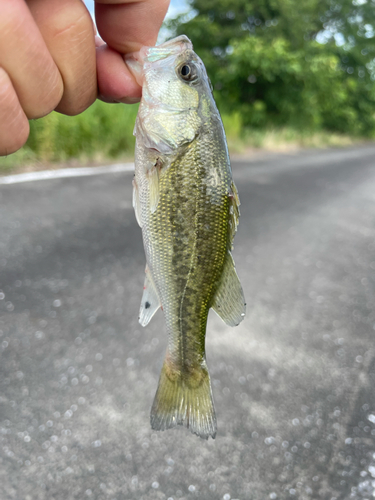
[(176, 7)]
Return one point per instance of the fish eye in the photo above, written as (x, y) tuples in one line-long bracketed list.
[(188, 72), (185, 70)]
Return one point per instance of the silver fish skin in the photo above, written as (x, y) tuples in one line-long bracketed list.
[(187, 205)]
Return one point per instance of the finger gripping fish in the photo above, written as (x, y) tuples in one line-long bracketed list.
[(188, 208)]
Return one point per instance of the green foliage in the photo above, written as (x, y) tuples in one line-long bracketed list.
[(233, 124), (103, 130), (286, 62), (278, 85)]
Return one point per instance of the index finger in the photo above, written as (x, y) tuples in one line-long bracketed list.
[(127, 25)]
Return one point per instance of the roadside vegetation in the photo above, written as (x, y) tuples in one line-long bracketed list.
[(102, 133), (246, 140), (285, 74)]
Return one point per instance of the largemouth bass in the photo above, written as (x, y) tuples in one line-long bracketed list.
[(188, 208)]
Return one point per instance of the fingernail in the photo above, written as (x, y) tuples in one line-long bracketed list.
[(129, 100), (98, 41), (109, 100)]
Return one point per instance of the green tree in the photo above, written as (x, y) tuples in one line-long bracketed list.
[(289, 62)]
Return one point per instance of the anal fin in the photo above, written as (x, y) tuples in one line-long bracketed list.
[(150, 302), (229, 301)]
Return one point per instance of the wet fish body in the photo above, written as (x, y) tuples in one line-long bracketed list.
[(187, 206)]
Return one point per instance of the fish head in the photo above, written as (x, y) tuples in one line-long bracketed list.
[(176, 94)]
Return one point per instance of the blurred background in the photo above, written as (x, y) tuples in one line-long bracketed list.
[(284, 73)]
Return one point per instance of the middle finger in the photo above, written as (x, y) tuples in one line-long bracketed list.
[(25, 58), (68, 32)]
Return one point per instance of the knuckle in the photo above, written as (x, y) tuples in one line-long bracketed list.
[(68, 27)]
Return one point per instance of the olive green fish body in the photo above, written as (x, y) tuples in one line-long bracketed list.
[(187, 206)]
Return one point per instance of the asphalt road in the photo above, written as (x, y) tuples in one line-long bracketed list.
[(293, 384)]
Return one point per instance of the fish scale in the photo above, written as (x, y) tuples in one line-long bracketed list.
[(187, 206)]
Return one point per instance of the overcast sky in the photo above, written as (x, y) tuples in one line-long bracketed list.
[(176, 7)]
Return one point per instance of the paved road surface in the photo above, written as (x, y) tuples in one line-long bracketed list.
[(293, 384)]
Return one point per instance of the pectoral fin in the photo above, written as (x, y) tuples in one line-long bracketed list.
[(153, 182), (150, 302), (229, 301), (136, 203)]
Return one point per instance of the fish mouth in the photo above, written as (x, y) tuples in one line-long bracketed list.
[(136, 60)]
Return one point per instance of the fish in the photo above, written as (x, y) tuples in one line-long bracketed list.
[(187, 206)]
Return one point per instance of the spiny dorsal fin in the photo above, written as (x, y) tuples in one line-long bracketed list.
[(150, 302), (234, 213), (229, 301)]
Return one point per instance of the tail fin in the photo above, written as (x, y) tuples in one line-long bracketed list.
[(184, 399)]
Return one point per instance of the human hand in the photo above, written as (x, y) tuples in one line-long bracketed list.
[(51, 60)]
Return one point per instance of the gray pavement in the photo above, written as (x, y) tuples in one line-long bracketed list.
[(293, 384)]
